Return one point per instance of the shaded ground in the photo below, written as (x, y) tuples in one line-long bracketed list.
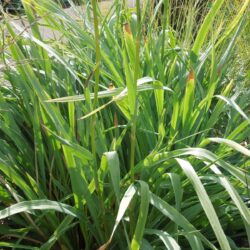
[(73, 13), (48, 33)]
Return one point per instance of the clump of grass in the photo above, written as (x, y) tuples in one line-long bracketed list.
[(123, 135)]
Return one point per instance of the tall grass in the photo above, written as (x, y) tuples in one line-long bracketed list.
[(124, 133)]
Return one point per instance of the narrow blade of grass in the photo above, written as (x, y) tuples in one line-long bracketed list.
[(27, 206), (205, 202)]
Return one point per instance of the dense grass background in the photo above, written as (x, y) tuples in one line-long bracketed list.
[(127, 131)]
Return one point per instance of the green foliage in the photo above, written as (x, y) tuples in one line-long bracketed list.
[(122, 134)]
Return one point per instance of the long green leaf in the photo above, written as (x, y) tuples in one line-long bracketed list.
[(194, 237), (234, 105), (62, 228), (114, 169), (206, 25), (244, 210), (205, 202), (124, 204), (27, 206), (143, 213), (232, 144), (169, 242)]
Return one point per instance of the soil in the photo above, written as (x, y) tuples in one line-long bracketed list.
[(47, 33)]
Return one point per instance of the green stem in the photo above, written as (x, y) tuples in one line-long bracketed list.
[(136, 76), (94, 118), (98, 53), (96, 87), (165, 24)]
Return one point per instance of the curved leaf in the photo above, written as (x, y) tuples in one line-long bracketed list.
[(205, 202), (232, 144), (27, 206), (169, 242)]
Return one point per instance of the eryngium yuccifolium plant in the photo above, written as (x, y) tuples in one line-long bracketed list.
[(123, 132)]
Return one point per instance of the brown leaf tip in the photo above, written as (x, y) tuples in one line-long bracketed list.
[(126, 28), (191, 75)]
